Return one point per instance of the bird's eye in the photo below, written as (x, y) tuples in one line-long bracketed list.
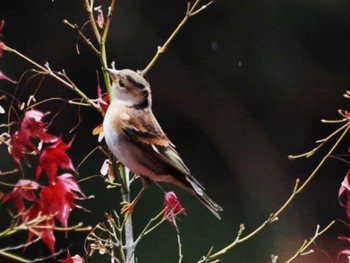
[(121, 84)]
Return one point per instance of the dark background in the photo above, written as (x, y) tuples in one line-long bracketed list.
[(243, 85)]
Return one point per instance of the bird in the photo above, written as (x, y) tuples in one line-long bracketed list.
[(135, 138)]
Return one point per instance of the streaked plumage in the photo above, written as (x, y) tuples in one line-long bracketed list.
[(134, 136)]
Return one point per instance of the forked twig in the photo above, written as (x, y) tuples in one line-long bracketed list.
[(191, 11), (306, 244)]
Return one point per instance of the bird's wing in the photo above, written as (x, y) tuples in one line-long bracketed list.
[(144, 128)]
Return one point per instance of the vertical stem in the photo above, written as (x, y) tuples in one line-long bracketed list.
[(179, 244), (101, 39), (129, 235), (124, 175), (105, 74), (103, 47)]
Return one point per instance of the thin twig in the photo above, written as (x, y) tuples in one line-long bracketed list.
[(13, 257), (179, 244), (147, 229), (54, 75), (90, 9), (302, 250), (322, 142), (9, 172), (77, 227), (191, 11), (86, 40), (101, 39), (47, 100)]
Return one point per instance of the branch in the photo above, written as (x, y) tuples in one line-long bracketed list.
[(90, 10), (109, 240), (16, 170), (179, 244), (77, 227), (86, 40), (128, 227), (48, 71), (302, 250), (191, 11), (148, 229), (274, 217), (102, 39), (4, 252), (322, 142), (13, 257)]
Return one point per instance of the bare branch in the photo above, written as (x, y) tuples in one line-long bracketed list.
[(191, 11), (47, 70), (302, 250)]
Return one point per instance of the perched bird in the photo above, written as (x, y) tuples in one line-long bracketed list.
[(134, 136)]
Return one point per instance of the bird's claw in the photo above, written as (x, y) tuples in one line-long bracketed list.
[(127, 208)]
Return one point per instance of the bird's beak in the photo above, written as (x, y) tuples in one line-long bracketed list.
[(113, 73)]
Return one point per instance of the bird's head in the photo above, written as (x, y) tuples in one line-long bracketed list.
[(130, 88)]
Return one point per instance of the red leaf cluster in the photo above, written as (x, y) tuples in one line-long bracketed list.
[(172, 206), (32, 129), (39, 205), (59, 198), (43, 226), (54, 157), (24, 190)]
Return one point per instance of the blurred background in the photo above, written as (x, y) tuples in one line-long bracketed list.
[(244, 85)]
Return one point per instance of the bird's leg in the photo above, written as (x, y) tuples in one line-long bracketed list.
[(128, 208)]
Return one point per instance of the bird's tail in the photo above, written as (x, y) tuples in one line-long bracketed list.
[(198, 191)]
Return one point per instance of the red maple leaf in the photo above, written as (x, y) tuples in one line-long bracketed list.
[(54, 157), (18, 149), (24, 190), (43, 228), (172, 206), (74, 259), (59, 198), (31, 127)]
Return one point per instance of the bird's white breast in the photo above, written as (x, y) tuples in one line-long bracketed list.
[(127, 152), (112, 132)]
